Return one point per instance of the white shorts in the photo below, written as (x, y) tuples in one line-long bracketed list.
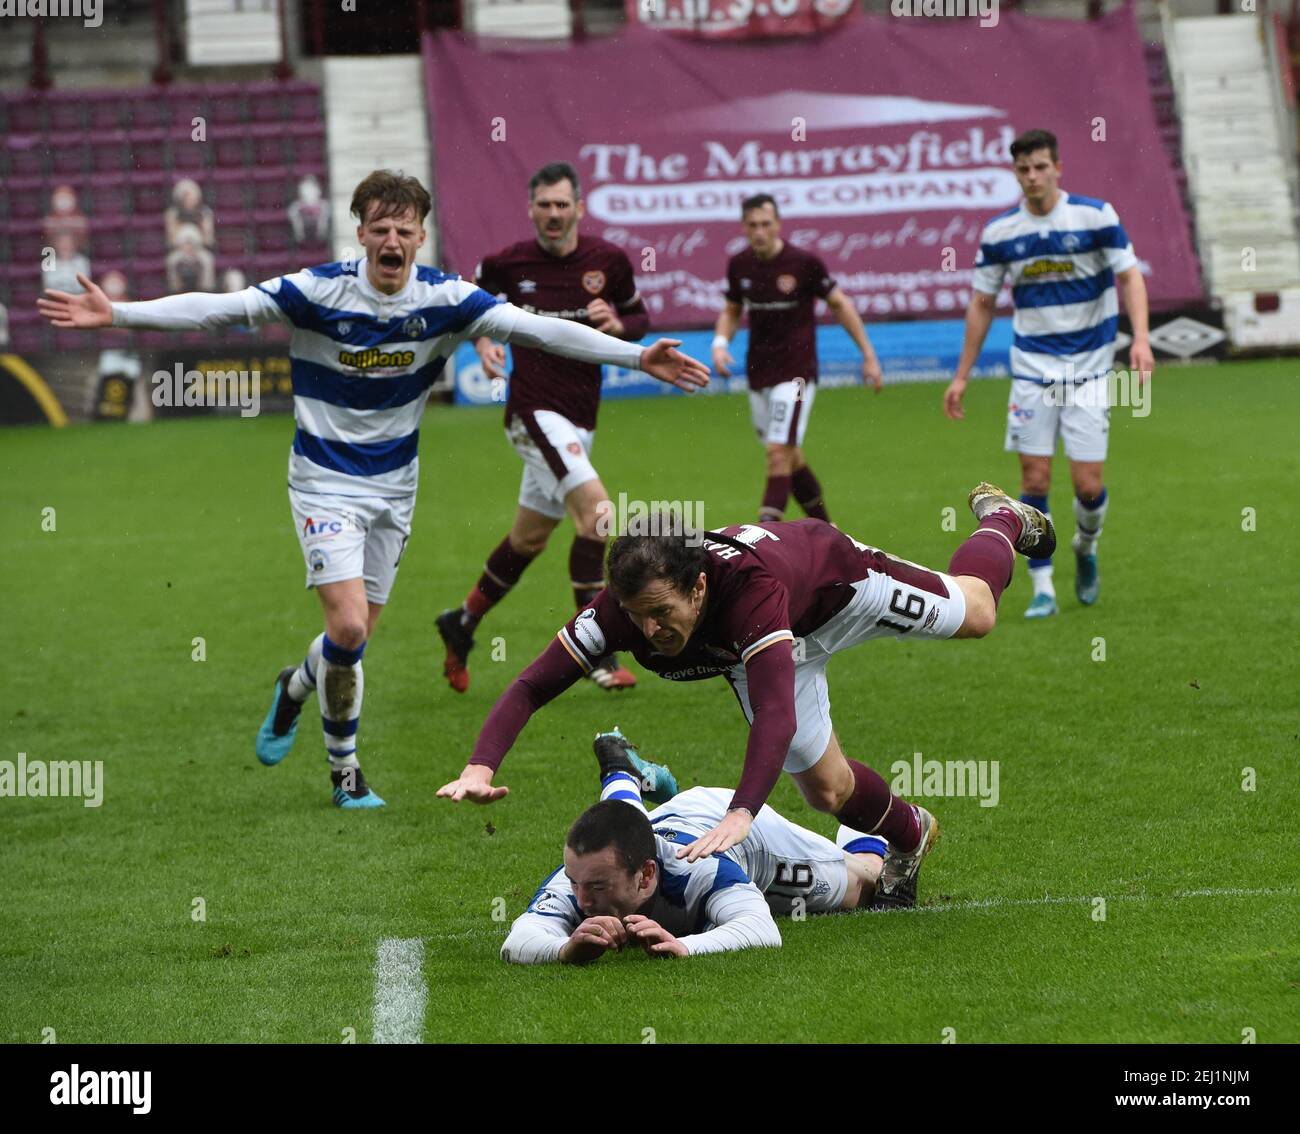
[(556, 456), (780, 413), (352, 537), (785, 861), (908, 601), (1079, 414)]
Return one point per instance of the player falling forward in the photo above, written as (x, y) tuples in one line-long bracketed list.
[(1063, 254), (622, 884), (779, 285), (551, 410), (370, 336), (766, 606)]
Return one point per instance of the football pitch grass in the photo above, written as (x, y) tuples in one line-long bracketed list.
[(211, 899)]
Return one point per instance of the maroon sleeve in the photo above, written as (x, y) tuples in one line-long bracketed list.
[(489, 277), (756, 613), (550, 675), (733, 292), (627, 301), (820, 282), (770, 676)]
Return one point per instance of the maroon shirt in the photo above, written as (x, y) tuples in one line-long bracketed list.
[(780, 296), (562, 286), (766, 585)]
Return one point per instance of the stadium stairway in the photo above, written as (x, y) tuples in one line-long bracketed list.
[(1236, 150), (376, 118)]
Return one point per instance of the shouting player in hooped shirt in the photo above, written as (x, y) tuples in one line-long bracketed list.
[(370, 337), (779, 285), (551, 410), (1063, 254), (766, 605)]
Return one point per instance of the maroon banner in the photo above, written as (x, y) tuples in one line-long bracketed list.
[(885, 145), (739, 19)]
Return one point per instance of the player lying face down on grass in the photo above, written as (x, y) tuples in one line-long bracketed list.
[(735, 604), (622, 886)]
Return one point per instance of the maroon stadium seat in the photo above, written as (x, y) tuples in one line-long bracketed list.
[(110, 151), (109, 195), (232, 238), (27, 115), (309, 143), (148, 237), (267, 102), (226, 104), (105, 113), (148, 149), (27, 155), (273, 235), (269, 189), (67, 153), (272, 145), (108, 240), (66, 110), (26, 197), (226, 190), (228, 145), (151, 193)]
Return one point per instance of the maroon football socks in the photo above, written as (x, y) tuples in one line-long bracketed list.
[(501, 572), (586, 569), (808, 492), (775, 497), (989, 553), (875, 810)]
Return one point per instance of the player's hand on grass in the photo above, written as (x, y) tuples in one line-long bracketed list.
[(604, 317), (668, 365), (492, 356), (732, 830), (952, 399), (81, 312), (474, 784), (592, 939), (1141, 359), (722, 361), (653, 937), (872, 375)]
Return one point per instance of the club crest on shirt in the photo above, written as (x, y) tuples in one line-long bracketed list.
[(414, 327), (786, 283), (725, 655), (1070, 242), (345, 327), (593, 281), (527, 287)]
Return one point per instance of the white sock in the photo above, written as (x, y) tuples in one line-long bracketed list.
[(302, 682), (1041, 577), (1088, 523), (624, 786)]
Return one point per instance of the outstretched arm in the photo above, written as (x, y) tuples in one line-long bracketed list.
[(851, 321), (508, 323), (191, 311), (549, 676)]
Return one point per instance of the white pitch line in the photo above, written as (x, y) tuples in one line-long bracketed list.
[(400, 991), (1047, 900)]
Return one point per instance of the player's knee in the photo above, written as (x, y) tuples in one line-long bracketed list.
[(980, 620), (348, 631), (1087, 488), (780, 460), (529, 543), (826, 797)]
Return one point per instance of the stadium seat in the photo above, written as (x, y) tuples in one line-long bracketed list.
[(110, 152), (27, 155), (109, 239), (27, 115), (232, 238), (269, 189), (308, 144), (273, 234), (65, 110), (228, 144), (26, 244), (187, 155), (26, 197), (267, 102), (148, 237), (148, 149), (226, 104), (272, 145), (67, 153), (105, 114), (150, 193)]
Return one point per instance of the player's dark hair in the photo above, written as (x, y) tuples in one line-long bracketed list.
[(757, 201), (1032, 140), (612, 822), (552, 174), (395, 194), (660, 547)]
